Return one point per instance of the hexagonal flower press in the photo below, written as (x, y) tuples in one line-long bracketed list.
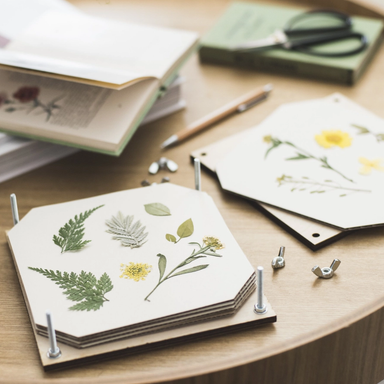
[(130, 263), (323, 159)]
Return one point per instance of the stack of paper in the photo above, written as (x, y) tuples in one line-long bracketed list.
[(130, 263)]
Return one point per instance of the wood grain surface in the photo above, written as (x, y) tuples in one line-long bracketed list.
[(327, 331)]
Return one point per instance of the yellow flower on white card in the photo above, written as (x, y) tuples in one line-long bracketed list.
[(135, 271), (368, 165), (213, 242), (333, 138)]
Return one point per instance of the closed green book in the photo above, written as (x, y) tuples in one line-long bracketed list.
[(246, 22)]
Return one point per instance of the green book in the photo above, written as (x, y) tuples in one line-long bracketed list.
[(246, 22)]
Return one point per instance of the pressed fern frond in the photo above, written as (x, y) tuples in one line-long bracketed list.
[(84, 288), (130, 234), (71, 235)]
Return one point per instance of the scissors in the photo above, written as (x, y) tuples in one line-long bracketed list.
[(292, 37)]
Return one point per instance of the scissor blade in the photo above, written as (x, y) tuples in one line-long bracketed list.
[(274, 40)]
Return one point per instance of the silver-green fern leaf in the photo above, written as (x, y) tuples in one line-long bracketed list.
[(71, 234), (130, 234)]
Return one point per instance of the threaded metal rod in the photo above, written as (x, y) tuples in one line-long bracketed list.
[(197, 175), (15, 211), (54, 350), (260, 307)]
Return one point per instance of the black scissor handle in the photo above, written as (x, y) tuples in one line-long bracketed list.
[(305, 45), (290, 30)]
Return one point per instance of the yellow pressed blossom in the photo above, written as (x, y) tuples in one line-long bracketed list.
[(213, 242), (135, 271), (368, 165), (267, 139), (333, 138)]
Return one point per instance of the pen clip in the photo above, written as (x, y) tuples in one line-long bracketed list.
[(251, 103)]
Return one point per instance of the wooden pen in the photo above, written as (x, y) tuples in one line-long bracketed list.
[(239, 105)]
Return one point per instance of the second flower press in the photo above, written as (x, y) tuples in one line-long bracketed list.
[(322, 159)]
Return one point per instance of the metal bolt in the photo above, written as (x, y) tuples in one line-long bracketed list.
[(54, 351), (15, 211), (279, 261), (260, 307), (197, 174)]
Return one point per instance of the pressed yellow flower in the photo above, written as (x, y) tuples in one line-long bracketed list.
[(135, 271), (281, 179), (368, 165), (333, 138), (267, 139), (213, 242)]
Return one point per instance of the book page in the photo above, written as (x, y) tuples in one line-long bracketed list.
[(17, 15), (111, 51), (71, 112)]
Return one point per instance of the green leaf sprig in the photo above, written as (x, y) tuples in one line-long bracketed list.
[(208, 250), (313, 186), (364, 131), (71, 235), (301, 154), (83, 288), (185, 230)]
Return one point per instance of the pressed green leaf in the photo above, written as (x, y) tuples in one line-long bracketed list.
[(298, 158), (71, 234), (212, 254), (130, 234), (186, 229), (190, 270), (83, 288), (363, 130), (157, 209), (195, 242), (162, 265), (170, 238)]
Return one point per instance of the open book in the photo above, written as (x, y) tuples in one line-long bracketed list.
[(124, 266), (88, 85), (19, 155)]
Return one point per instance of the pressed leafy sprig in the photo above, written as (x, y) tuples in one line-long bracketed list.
[(313, 186), (185, 230), (71, 235), (157, 209), (83, 288), (301, 154), (365, 131), (208, 250), (130, 234)]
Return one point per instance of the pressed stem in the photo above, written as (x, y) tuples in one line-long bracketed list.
[(200, 251), (315, 183), (323, 161)]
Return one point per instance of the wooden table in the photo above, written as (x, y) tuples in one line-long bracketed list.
[(328, 331)]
